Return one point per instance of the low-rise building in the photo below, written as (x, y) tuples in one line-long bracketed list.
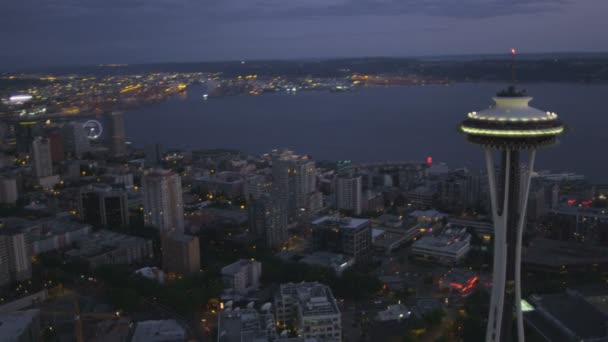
[(395, 312), (242, 276), (246, 325), (451, 246), (109, 248), (311, 308), (344, 235), (459, 280)]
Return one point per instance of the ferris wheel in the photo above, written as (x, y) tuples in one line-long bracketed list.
[(93, 129)]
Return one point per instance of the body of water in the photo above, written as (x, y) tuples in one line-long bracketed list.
[(374, 123)]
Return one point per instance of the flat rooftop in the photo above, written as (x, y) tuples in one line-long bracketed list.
[(342, 222), (159, 331), (13, 324)]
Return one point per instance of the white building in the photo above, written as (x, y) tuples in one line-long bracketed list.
[(41, 157), (8, 190), (245, 325), (163, 200), (348, 193), (242, 276), (311, 308), (451, 246)]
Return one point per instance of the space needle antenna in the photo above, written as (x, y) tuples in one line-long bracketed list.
[(513, 78)]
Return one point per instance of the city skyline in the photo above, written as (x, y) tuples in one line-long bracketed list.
[(95, 32)]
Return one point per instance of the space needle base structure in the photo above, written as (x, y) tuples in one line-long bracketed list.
[(509, 129)]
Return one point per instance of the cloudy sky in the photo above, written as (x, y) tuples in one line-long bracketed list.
[(67, 32)]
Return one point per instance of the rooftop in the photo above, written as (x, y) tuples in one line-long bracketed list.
[(314, 298), (13, 324), (342, 222), (159, 331), (237, 266)]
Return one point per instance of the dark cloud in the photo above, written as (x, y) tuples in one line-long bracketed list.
[(38, 32)]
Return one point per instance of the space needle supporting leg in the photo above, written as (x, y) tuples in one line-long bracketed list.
[(520, 232), (500, 251)]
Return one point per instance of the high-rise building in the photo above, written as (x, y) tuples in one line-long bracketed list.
[(14, 256), (163, 200), (242, 276), (153, 156), (75, 139), (41, 157), (180, 253), (104, 205), (57, 149), (8, 190), (117, 134), (294, 180), (510, 127), (25, 132), (349, 193), (20, 326), (268, 220)]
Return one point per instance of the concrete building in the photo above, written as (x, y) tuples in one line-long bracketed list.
[(41, 157), (20, 326), (345, 235), (56, 233), (311, 308), (395, 312), (242, 276), (75, 140), (246, 325), (118, 144), (8, 190), (449, 247), (163, 200), (104, 205), (181, 253), (15, 262), (294, 179), (159, 331), (268, 220), (109, 248), (228, 183), (255, 186), (349, 194)]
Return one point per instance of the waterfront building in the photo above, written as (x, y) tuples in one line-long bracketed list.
[(118, 144), (294, 180), (75, 139)]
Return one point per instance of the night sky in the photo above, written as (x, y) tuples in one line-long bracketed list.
[(68, 32)]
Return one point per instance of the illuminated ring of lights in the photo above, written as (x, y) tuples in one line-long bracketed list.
[(93, 129), (512, 133)]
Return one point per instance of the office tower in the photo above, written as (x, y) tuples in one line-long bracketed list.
[(104, 205), (117, 136), (255, 186), (348, 193), (57, 149), (163, 200), (153, 156), (25, 132), (294, 180), (14, 255), (75, 139), (242, 276), (8, 190), (180, 253), (41, 157), (268, 220), (510, 127), (344, 235)]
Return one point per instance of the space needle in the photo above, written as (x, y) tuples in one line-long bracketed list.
[(511, 129)]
